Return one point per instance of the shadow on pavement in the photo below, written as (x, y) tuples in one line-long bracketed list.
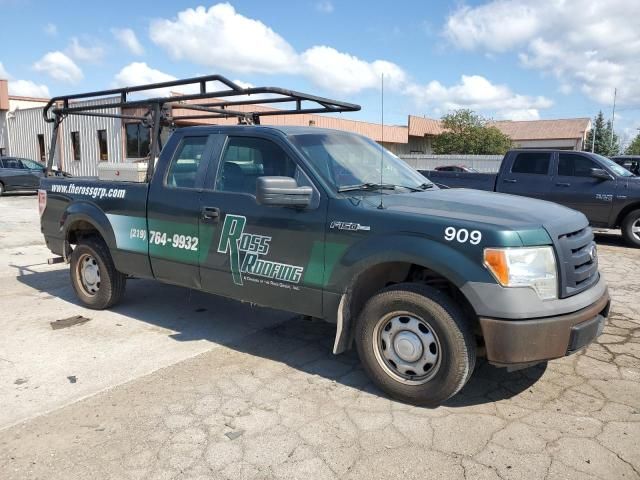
[(612, 238), (301, 343)]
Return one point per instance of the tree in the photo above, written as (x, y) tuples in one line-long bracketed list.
[(466, 132), (607, 142), (634, 146)]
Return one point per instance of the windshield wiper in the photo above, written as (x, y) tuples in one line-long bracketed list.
[(369, 186), (420, 188)]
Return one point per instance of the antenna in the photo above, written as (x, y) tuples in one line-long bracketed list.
[(381, 206)]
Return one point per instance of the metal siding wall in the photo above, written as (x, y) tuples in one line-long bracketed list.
[(89, 149), (482, 163), (24, 125)]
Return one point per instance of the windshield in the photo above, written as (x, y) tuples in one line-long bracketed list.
[(346, 160), (617, 169)]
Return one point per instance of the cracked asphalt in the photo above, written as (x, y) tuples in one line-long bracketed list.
[(275, 403)]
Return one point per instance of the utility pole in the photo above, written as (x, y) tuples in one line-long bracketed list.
[(613, 116), (593, 138)]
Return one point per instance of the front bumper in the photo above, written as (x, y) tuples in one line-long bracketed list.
[(511, 343)]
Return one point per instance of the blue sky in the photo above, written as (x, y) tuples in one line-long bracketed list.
[(514, 59)]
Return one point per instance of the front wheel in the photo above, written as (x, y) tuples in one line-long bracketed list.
[(94, 277), (415, 344), (631, 229)]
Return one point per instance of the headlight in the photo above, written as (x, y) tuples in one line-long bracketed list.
[(533, 267)]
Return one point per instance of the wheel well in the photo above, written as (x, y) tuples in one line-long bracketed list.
[(625, 211), (367, 283), (81, 229)]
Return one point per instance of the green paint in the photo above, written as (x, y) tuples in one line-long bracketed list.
[(323, 259), (122, 228), (532, 238), (230, 242)]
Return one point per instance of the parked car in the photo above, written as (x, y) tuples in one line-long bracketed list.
[(630, 162), (328, 224), (19, 174), (456, 168), (608, 194)]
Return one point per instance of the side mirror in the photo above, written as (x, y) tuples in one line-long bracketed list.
[(600, 173), (282, 192)]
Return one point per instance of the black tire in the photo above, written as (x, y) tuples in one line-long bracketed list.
[(456, 345), (1, 189), (110, 285), (631, 222)]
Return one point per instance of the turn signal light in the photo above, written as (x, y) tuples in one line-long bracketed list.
[(496, 262)]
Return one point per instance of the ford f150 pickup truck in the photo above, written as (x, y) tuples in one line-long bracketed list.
[(607, 193), (329, 224)]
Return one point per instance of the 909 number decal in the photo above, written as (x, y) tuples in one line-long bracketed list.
[(462, 235)]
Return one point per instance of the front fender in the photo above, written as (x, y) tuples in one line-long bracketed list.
[(456, 262)]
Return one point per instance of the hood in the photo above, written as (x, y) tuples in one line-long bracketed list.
[(502, 210)]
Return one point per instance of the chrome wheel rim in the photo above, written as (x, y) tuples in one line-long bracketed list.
[(88, 272), (407, 348), (635, 229)]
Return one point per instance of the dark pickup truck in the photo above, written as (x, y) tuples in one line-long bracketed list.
[(328, 224), (608, 194)]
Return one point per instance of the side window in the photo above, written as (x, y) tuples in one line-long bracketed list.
[(12, 163), (536, 163), (572, 165), (30, 164), (183, 170), (245, 159)]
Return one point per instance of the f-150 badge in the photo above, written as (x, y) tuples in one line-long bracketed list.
[(353, 227)]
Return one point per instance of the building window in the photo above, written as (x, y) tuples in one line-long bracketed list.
[(41, 151), (102, 145), (137, 140), (75, 145)]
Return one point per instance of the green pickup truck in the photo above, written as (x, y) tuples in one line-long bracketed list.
[(328, 224)]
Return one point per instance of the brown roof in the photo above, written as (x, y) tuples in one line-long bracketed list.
[(421, 126), (544, 129), (392, 133)]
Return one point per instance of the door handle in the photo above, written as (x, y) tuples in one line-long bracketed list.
[(510, 180), (210, 213), (563, 184)]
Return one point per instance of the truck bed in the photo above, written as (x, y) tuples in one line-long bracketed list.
[(478, 181)]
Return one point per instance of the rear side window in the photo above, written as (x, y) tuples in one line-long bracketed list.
[(536, 163), (246, 158), (572, 165), (183, 170)]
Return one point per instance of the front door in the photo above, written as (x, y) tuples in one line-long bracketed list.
[(268, 255), (574, 186)]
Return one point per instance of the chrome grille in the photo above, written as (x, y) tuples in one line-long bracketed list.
[(578, 261)]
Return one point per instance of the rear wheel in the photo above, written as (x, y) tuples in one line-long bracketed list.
[(94, 277), (631, 228), (415, 344), (1, 189)]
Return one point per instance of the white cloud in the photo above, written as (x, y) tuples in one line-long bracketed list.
[(128, 39), (324, 6), (59, 67), (221, 38), (139, 73), (51, 29), (85, 53), (27, 88), (478, 93), (23, 88), (592, 46), (346, 73), (209, 37)]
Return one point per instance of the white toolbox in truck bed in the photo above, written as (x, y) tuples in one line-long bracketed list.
[(122, 172)]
